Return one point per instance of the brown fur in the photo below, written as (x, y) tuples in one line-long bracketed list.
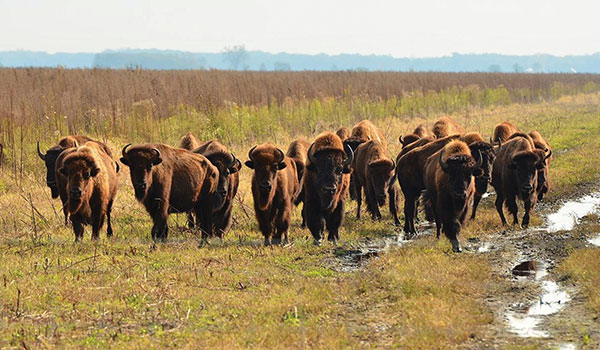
[(274, 185), (409, 171), (541, 143), (97, 192), (177, 181), (471, 137), (229, 179), (503, 131), (343, 133), (325, 185), (189, 141), (297, 150), (419, 132), (445, 126), (364, 131), (375, 172), (450, 209), (515, 176)]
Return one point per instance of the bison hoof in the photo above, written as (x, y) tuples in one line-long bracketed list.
[(456, 247), (276, 241), (317, 242)]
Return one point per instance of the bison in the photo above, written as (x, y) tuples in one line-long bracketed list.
[(364, 131), (228, 166), (325, 185), (450, 187), (297, 150), (53, 179), (419, 133), (91, 177), (172, 180), (514, 175), (189, 142), (376, 173), (274, 186), (409, 171), (503, 131), (445, 126), (343, 133), (543, 184)]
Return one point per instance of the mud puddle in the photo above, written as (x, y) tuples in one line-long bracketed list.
[(595, 241), (571, 212), (353, 258)]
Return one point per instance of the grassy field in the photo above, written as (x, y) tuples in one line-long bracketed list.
[(127, 293)]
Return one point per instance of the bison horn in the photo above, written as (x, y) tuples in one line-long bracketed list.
[(443, 164), (311, 156), (75, 144), (401, 139), (124, 150), (250, 152), (549, 155), (281, 156), (42, 155), (233, 162), (350, 154), (156, 153), (479, 161), (497, 150)]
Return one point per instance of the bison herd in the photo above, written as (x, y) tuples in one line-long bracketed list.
[(448, 168)]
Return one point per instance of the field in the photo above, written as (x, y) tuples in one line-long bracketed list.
[(126, 292)]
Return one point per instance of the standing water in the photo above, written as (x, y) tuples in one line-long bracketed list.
[(571, 212)]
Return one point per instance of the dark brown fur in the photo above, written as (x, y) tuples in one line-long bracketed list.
[(541, 143), (364, 131), (172, 181), (297, 150), (445, 126), (450, 188), (503, 131), (343, 133), (375, 172), (91, 177), (274, 185), (325, 185), (419, 132), (189, 141)]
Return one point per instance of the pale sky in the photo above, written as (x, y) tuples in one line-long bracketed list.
[(416, 28)]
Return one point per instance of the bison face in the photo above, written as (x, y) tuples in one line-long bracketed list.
[(226, 166), (79, 175), (542, 176), (266, 162), (381, 173), (460, 171), (329, 167), (524, 167), (50, 160), (408, 139), (140, 163), (485, 152)]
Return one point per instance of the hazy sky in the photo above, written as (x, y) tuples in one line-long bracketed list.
[(413, 28)]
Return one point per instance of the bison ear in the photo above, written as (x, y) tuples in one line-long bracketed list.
[(64, 171), (124, 161), (94, 171), (157, 161), (281, 165), (249, 164)]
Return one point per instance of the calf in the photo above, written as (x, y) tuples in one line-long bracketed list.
[(91, 180), (375, 172), (445, 126), (325, 185), (172, 180), (450, 188), (274, 185), (229, 180), (514, 175)]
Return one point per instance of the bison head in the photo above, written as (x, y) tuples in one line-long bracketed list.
[(227, 164), (329, 165), (381, 174), (542, 174), (483, 173), (460, 169), (50, 160), (140, 162), (266, 161), (408, 139), (80, 172), (525, 166)]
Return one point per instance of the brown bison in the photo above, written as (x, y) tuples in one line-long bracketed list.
[(450, 187), (543, 185), (91, 177), (53, 179), (445, 126), (189, 141), (514, 176), (325, 185), (410, 171), (229, 180), (503, 131), (364, 131), (172, 180), (274, 185), (419, 133), (376, 173), (297, 150), (343, 133)]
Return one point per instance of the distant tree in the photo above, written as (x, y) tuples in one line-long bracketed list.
[(281, 66), (235, 56), (494, 68), (517, 68)]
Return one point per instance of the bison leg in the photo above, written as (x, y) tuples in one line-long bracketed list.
[(352, 186), (410, 209), (452, 229), (358, 194), (528, 207), (282, 223), (77, 228), (333, 222), (476, 200), (314, 222), (500, 207), (190, 219), (513, 209), (223, 220), (159, 229), (109, 229), (393, 192), (265, 224), (97, 222)]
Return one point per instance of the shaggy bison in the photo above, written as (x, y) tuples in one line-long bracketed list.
[(364, 131), (325, 185), (514, 176), (409, 171), (274, 185), (375, 172), (91, 181), (229, 180), (343, 133), (450, 187), (445, 126), (297, 150), (503, 131), (419, 133), (172, 180), (189, 141)]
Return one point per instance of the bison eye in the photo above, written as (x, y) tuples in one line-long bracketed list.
[(149, 167), (86, 176)]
